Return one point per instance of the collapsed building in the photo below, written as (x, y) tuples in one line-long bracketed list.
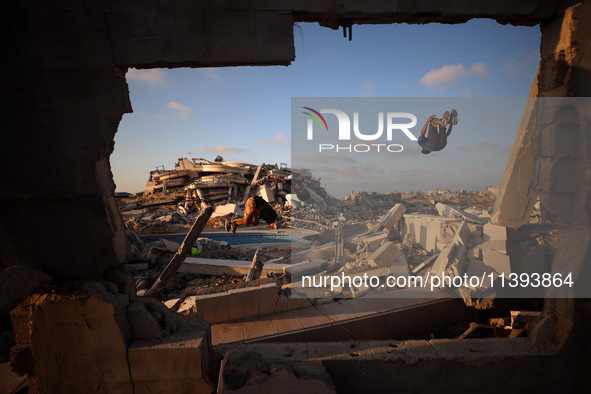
[(199, 183), (80, 325)]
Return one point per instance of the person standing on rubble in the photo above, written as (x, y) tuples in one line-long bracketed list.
[(436, 139), (255, 209)]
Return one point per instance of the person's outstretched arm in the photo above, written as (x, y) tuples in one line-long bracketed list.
[(425, 126)]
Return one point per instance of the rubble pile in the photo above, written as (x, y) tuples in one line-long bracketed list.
[(405, 242), (149, 259), (401, 235), (199, 183), (172, 199)]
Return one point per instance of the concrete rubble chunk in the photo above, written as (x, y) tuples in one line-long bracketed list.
[(386, 255), (179, 363), (372, 240), (307, 267), (429, 231), (477, 268), (498, 261), (203, 266), (494, 237), (226, 210), (348, 230), (143, 324), (425, 263), (248, 372), (448, 211), (454, 257), (442, 261), (391, 218), (70, 336), (264, 191)]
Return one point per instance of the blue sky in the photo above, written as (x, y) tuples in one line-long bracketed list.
[(244, 113)]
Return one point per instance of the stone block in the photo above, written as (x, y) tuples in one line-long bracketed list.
[(289, 303), (463, 235), (473, 254), (177, 364), (76, 344), (348, 231), (214, 307), (288, 321), (268, 296), (225, 210), (258, 328), (265, 192), (304, 268), (448, 211), (226, 333), (372, 240), (498, 261), (391, 218), (244, 302), (442, 261), (429, 231), (494, 237), (143, 324), (386, 255), (478, 269), (397, 270)]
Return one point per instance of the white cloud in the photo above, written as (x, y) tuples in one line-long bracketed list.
[(469, 93), (182, 111), (448, 74), (153, 77), (221, 149), (278, 140), (212, 74)]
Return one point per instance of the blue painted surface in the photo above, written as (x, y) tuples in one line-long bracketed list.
[(233, 239)]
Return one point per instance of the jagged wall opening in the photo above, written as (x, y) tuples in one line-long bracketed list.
[(66, 94)]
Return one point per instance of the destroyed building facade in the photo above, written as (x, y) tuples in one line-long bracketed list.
[(65, 90)]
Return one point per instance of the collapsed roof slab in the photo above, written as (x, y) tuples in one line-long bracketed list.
[(369, 318)]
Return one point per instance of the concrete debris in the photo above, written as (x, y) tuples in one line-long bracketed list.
[(256, 267), (251, 372), (448, 211), (386, 255), (204, 266), (17, 283), (391, 218), (305, 267), (494, 237), (425, 263)]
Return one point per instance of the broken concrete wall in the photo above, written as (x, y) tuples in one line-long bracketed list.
[(75, 344), (433, 233), (562, 158), (65, 94), (79, 343)]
